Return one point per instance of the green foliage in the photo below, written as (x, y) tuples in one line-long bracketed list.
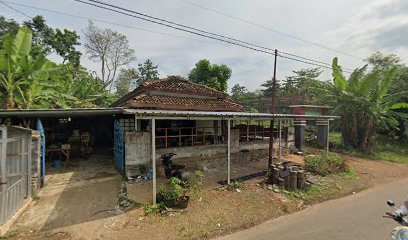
[(125, 81), (147, 72), (46, 40), (196, 182), (154, 208), (325, 164), (7, 27), (29, 82), (177, 189), (364, 102), (212, 75), (249, 100), (234, 185)]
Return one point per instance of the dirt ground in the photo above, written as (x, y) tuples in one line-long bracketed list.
[(88, 210)]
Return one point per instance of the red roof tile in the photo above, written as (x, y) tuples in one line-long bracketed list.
[(179, 85), (176, 93), (183, 103)]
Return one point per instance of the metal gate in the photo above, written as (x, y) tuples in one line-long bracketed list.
[(119, 147), (15, 168)]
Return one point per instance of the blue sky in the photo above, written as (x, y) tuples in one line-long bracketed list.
[(358, 27)]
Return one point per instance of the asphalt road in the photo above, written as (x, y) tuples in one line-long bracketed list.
[(357, 216)]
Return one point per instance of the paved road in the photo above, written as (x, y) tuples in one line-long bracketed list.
[(354, 217)]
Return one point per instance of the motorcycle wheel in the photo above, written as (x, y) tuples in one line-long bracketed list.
[(400, 233)]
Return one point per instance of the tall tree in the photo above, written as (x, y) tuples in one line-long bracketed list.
[(212, 75), (46, 40), (7, 27), (249, 100), (126, 81), (108, 47), (147, 72)]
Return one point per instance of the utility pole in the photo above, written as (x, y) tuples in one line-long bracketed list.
[(270, 160)]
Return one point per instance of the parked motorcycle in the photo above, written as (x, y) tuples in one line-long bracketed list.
[(401, 232), (173, 170)]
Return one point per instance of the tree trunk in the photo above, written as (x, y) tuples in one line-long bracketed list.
[(354, 136), (367, 134)]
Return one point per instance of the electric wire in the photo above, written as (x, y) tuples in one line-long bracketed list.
[(177, 28), (202, 33), (270, 29), (21, 12), (112, 23)]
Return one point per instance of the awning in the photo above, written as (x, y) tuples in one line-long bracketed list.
[(60, 113), (195, 115)]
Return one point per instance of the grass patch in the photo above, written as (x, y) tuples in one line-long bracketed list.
[(328, 187), (325, 164), (383, 149)]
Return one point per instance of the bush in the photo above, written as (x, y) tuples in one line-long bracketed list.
[(325, 164), (154, 208)]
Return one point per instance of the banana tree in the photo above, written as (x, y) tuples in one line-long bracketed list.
[(363, 102), (15, 63)]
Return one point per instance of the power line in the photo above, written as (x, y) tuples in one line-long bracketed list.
[(176, 24), (198, 32), (112, 23), (177, 28), (22, 13), (270, 29), (310, 61)]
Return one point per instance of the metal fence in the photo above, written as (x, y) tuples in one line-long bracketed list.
[(15, 169)]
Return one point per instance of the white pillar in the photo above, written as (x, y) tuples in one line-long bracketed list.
[(280, 139), (229, 152), (328, 131), (153, 129)]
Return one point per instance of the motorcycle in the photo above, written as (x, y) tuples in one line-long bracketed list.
[(401, 232), (173, 170)]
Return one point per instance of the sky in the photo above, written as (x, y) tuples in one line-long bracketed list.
[(356, 27)]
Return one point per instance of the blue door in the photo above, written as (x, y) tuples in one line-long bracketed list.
[(119, 147)]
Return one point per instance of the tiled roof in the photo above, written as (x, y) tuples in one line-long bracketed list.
[(179, 85), (176, 93), (183, 103)]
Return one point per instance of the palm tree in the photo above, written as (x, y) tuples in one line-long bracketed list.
[(363, 103)]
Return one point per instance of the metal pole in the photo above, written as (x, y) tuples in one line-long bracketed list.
[(272, 111), (3, 171), (229, 152), (154, 158), (328, 130), (280, 140)]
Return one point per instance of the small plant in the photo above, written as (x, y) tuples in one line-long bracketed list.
[(154, 208), (176, 196), (234, 185), (325, 164), (196, 182)]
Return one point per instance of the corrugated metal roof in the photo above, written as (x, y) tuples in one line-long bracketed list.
[(71, 112), (158, 114), (168, 114)]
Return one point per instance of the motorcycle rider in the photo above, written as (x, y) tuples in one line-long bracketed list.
[(400, 212)]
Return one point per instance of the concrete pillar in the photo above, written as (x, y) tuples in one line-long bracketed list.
[(300, 125), (322, 131)]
